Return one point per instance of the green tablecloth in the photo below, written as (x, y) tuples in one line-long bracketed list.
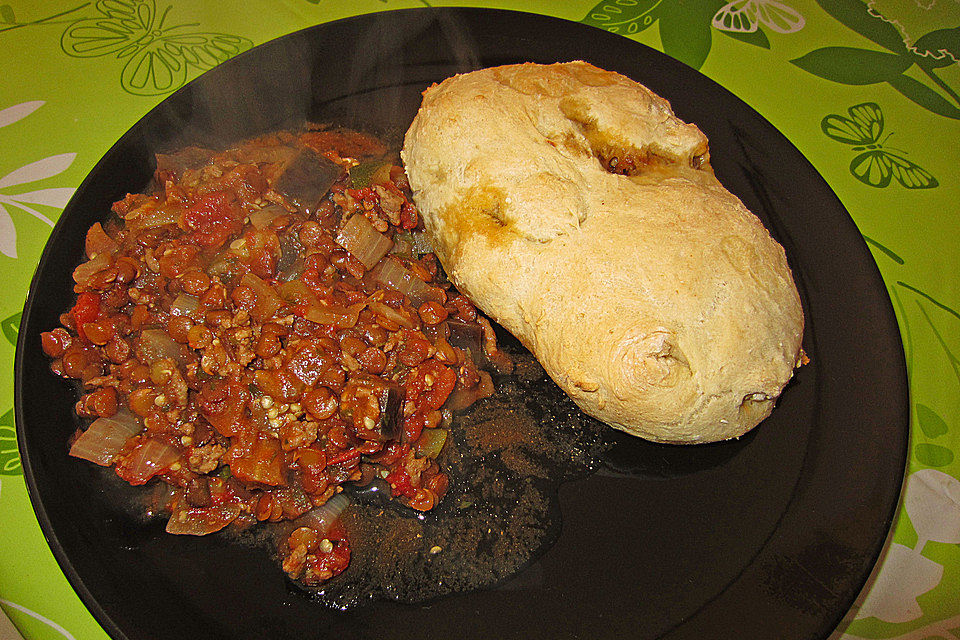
[(70, 85)]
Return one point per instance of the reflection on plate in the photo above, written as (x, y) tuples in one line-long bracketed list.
[(769, 536)]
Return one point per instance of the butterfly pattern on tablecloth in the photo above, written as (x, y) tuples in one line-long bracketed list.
[(875, 165), (158, 56), (746, 16)]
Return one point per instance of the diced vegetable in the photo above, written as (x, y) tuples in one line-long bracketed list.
[(261, 218), (463, 398), (343, 317), (389, 397), (412, 244), (86, 270), (198, 492), (152, 456), (104, 439), (367, 173), (307, 179), (431, 442), (98, 241), (150, 217), (293, 501), (268, 300), (392, 273), (156, 344), (310, 307), (392, 314), (185, 305), (225, 266), (264, 463), (467, 336), (199, 521), (322, 518), (290, 255), (363, 241)]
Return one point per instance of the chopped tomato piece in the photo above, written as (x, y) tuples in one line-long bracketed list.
[(430, 384), (263, 464), (213, 218), (223, 406), (87, 309)]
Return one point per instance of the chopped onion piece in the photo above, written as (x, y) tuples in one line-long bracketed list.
[(184, 305), (104, 439), (268, 300), (323, 517), (88, 269), (343, 317), (463, 398), (392, 273), (151, 457), (149, 218), (308, 306), (392, 314), (200, 521), (261, 218), (156, 344), (98, 242), (363, 241)]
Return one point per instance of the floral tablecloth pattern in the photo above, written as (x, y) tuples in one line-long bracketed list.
[(868, 90)]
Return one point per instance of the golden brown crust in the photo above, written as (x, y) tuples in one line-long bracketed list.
[(655, 299)]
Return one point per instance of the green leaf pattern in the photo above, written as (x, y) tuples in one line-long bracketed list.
[(942, 320), (626, 17), (861, 66), (10, 326)]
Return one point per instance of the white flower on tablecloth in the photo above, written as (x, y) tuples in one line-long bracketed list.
[(11, 196), (932, 500)]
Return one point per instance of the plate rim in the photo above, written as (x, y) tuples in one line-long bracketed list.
[(23, 351)]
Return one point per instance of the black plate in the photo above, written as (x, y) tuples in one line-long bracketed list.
[(771, 536)]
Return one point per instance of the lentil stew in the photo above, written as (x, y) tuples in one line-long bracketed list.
[(266, 327)]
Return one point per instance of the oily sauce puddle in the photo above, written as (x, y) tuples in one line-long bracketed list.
[(506, 459)]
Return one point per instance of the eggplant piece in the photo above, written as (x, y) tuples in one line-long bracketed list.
[(170, 166), (467, 336), (291, 263), (390, 397), (307, 179), (198, 493)]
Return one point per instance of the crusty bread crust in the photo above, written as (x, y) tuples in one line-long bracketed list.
[(656, 300)]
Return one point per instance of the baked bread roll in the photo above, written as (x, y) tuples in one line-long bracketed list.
[(577, 211)]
